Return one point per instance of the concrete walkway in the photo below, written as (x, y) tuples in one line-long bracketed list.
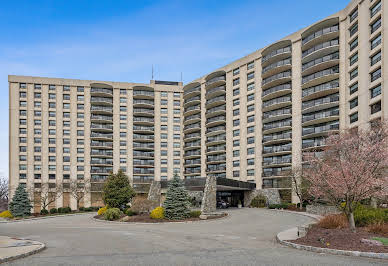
[(14, 248)]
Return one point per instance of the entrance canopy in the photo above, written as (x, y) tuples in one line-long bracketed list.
[(223, 184)]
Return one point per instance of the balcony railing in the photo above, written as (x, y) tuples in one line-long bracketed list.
[(145, 93), (215, 158), (101, 99), (276, 52), (99, 135), (196, 98), (192, 144), (144, 171), (101, 170), (277, 148), (215, 109), (216, 99), (286, 86), (277, 64), (101, 90), (143, 128), (101, 144), (328, 99), (101, 117), (215, 79), (138, 101), (319, 33), (145, 137), (190, 170), (277, 124), (144, 145), (320, 46), (277, 112), (220, 137), (143, 162), (191, 117), (192, 153), (283, 99), (216, 148), (329, 71), (320, 60), (191, 108), (195, 89), (191, 162), (101, 152), (322, 128), (143, 154), (192, 135), (280, 160), (215, 119), (214, 168), (143, 119), (101, 108), (220, 88), (329, 113), (315, 142), (101, 161), (217, 128), (277, 173), (285, 74), (322, 87), (101, 126), (191, 126), (277, 136), (143, 110)]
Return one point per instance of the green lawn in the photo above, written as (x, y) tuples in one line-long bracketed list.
[(383, 240)]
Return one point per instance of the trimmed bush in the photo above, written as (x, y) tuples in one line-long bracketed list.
[(60, 210), (157, 213), (88, 209), (112, 214), (278, 206), (53, 210), (130, 212), (81, 209), (143, 205), (44, 212), (102, 210), (195, 214), (364, 216), (259, 201), (334, 221), (6, 214)]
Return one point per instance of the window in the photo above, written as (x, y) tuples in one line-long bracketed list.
[(66, 105), (375, 75), (353, 88), (353, 118), (236, 91), (37, 140), (80, 115), (123, 100), (236, 132), (23, 94), (52, 131), (52, 140), (163, 153), (251, 119), (375, 26), (176, 136), (250, 97), (177, 128), (250, 172), (353, 15), (375, 91), (251, 161), (353, 29), (37, 86), (23, 104), (51, 149), (52, 105), (353, 59), (236, 163), (163, 119), (22, 86), (236, 71), (236, 122), (236, 102), (236, 112), (176, 145), (37, 131), (37, 122), (374, 108), (177, 103), (236, 81), (236, 143), (22, 158), (66, 150), (177, 120), (163, 169), (250, 75), (163, 127), (236, 173), (375, 42), (177, 111), (177, 95), (52, 123), (123, 117), (163, 110), (22, 149), (376, 58), (250, 65), (163, 136), (250, 129), (37, 149), (23, 140), (23, 122), (66, 97), (163, 144), (375, 9), (250, 108), (37, 104), (123, 91), (66, 123), (37, 176), (354, 73), (251, 86), (37, 113), (23, 112), (123, 143), (80, 123), (80, 106), (353, 44), (52, 176), (80, 89), (80, 141), (66, 88), (163, 94), (51, 87), (177, 161), (251, 140), (66, 176), (250, 151), (353, 103), (236, 153), (163, 102), (51, 158)]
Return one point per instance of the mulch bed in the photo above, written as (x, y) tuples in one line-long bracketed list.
[(342, 239), (145, 218)]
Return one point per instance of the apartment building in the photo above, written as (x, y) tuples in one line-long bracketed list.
[(248, 123)]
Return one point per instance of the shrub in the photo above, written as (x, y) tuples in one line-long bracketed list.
[(130, 212), (334, 221), (96, 208), (20, 204), (88, 209), (157, 213), (195, 214), (177, 202), (364, 216), (259, 201), (81, 209), (278, 206), (117, 191), (102, 210), (378, 228), (66, 210), (53, 210), (44, 212), (112, 214), (6, 214), (143, 205), (60, 210)]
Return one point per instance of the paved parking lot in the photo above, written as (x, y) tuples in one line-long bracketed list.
[(246, 237)]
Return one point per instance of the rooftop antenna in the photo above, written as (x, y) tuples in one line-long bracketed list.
[(152, 72), (181, 77)]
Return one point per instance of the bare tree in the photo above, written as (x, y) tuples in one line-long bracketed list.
[(300, 186), (47, 195), (3, 193), (78, 190)]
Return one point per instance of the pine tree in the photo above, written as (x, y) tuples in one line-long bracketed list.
[(177, 201), (20, 205), (117, 192)]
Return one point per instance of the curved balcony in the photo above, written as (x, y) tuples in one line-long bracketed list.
[(95, 161), (277, 67), (97, 109), (219, 100), (142, 103), (320, 90), (215, 111), (101, 118), (143, 112), (276, 55), (214, 159), (192, 110), (100, 170), (143, 163), (277, 172), (216, 149), (143, 146), (192, 145), (192, 171), (143, 138), (144, 94), (321, 63), (216, 120), (277, 138), (192, 101), (192, 128), (101, 136), (214, 92), (320, 103), (320, 50), (321, 32), (192, 136), (101, 144), (191, 90), (210, 131), (101, 127), (143, 154), (104, 92), (277, 126), (143, 129), (143, 171), (320, 117), (215, 140), (192, 154), (312, 144), (101, 101), (139, 120), (277, 161), (320, 130), (276, 79), (277, 150), (277, 103), (215, 79), (101, 153), (278, 114), (216, 168), (276, 91), (322, 76), (192, 162), (192, 119)]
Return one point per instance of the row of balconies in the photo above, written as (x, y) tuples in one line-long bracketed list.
[(216, 119), (322, 73), (196, 98), (277, 148), (192, 144), (278, 124), (277, 136), (326, 58), (216, 148), (325, 100), (192, 153), (321, 114), (192, 117), (143, 128), (192, 135), (319, 33), (276, 52), (101, 108), (321, 87), (320, 46), (101, 135), (192, 126), (277, 112), (322, 128), (143, 102), (281, 75), (143, 162)]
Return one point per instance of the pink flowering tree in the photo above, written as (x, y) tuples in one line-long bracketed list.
[(352, 167)]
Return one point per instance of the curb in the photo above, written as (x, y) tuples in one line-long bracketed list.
[(10, 258), (42, 218), (186, 222), (328, 250)]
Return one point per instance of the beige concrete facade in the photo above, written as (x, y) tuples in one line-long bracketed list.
[(251, 120)]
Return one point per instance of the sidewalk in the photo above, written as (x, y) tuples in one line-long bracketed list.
[(14, 248)]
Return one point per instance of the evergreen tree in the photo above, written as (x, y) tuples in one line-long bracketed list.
[(117, 192), (20, 205), (177, 201)]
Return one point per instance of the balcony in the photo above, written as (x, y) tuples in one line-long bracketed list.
[(145, 154), (276, 79), (215, 79), (215, 159), (278, 183), (192, 109), (101, 144), (101, 100), (143, 129), (213, 92), (277, 114), (277, 103), (102, 153), (143, 103), (313, 143), (192, 128), (95, 161), (322, 76), (320, 50), (97, 109), (215, 101), (318, 64), (143, 120), (192, 162), (101, 127), (143, 171), (217, 120), (192, 136), (277, 138), (192, 101), (101, 92), (192, 144), (192, 92), (216, 168), (101, 136), (100, 170), (277, 54), (320, 90), (215, 140), (320, 117), (278, 149), (143, 112), (277, 161), (276, 91), (192, 119), (146, 162), (274, 173), (320, 130), (192, 170), (277, 126), (143, 146), (101, 118), (192, 153), (279, 66), (143, 94), (145, 138), (320, 103), (216, 149), (320, 36), (215, 130)]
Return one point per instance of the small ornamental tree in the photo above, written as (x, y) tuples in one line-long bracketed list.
[(300, 186), (176, 205), (117, 191), (351, 168), (20, 204)]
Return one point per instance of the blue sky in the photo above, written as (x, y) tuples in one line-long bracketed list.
[(120, 40)]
